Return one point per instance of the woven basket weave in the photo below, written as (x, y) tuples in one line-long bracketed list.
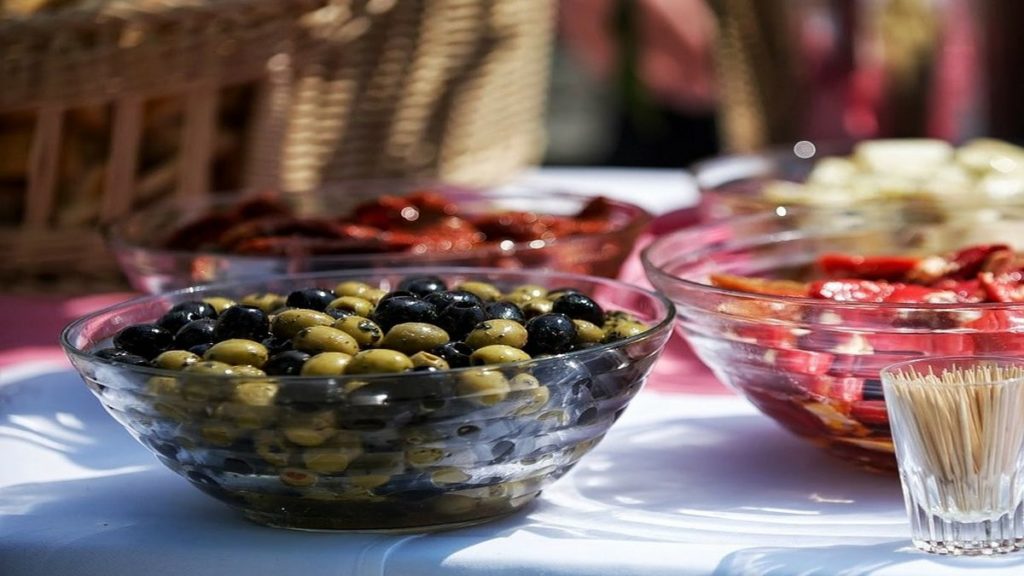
[(107, 108)]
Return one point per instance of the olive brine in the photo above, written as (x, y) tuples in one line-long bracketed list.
[(422, 325)]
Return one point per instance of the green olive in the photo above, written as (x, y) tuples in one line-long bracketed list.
[(218, 434), (327, 460), (308, 428), (588, 332), (163, 386), (251, 371), (175, 359), (622, 330), (268, 302), (326, 364), (219, 303), (246, 417), (298, 477), (378, 361), (526, 292), (523, 381), (482, 290), (421, 456), (486, 387), (288, 323), (531, 400), (490, 332), (272, 447), (257, 393), (316, 339), (210, 368), (308, 437), (375, 295), (238, 352), (537, 306), (365, 331), (412, 337), (428, 360), (446, 476), (354, 304), (353, 288), (497, 354)]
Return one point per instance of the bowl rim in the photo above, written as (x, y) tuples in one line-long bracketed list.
[(663, 325), (115, 236), (656, 272)]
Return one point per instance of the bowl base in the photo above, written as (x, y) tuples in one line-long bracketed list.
[(385, 524)]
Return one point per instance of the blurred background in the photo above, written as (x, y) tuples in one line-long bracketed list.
[(109, 106)]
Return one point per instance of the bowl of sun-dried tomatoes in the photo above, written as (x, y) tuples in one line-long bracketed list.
[(800, 315), (182, 242)]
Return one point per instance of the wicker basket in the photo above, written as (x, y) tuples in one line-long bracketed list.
[(111, 104)]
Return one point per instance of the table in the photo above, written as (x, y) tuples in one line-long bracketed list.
[(692, 480)]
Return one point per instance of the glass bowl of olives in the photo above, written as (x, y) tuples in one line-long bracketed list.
[(373, 224), (374, 400)]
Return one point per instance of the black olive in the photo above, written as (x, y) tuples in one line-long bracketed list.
[(185, 312), (200, 349), (275, 345), (146, 340), (287, 363), (423, 285), (396, 294), (338, 313), (195, 333), (401, 309), (505, 311), (314, 393), (244, 322), (580, 307), (551, 333), (459, 318), (122, 356), (455, 353), (449, 297), (312, 298)]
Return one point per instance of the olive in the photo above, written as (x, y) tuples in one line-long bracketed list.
[(247, 370), (237, 352), (146, 340), (352, 304), (422, 285), (290, 322), (550, 334), (353, 288), (274, 344), (211, 368), (365, 332), (268, 302), (219, 303), (455, 353), (287, 363), (401, 309), (458, 318), (200, 349), (375, 295), (195, 333), (328, 460), (497, 354), (309, 428), (396, 294), (524, 293), (309, 392), (556, 293), (244, 322), (579, 307), (338, 313), (446, 298), (531, 400), (326, 364), (298, 477), (506, 332), (272, 448), (412, 337), (259, 393), (523, 381), (485, 291), (378, 361), (425, 360), (175, 359), (505, 311), (122, 356), (311, 298), (183, 313), (317, 339), (588, 332), (486, 387), (623, 329), (537, 306)]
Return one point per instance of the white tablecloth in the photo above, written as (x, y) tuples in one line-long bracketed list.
[(683, 484)]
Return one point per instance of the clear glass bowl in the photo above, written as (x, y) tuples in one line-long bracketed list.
[(813, 365), (138, 240), (408, 451)]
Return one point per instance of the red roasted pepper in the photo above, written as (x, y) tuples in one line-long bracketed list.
[(893, 268)]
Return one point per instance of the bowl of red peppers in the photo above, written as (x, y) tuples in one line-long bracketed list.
[(373, 224), (800, 315)]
